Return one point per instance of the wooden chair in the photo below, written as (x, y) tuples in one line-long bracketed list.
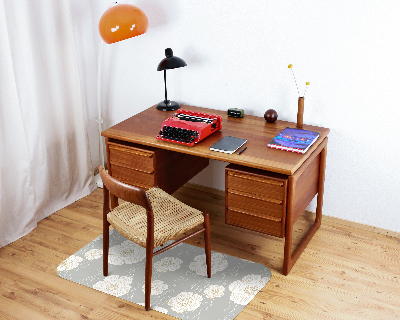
[(149, 219)]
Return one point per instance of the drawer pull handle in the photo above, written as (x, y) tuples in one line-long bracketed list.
[(256, 215), (257, 198), (140, 153), (276, 183)]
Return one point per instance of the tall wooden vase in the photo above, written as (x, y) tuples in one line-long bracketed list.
[(300, 112)]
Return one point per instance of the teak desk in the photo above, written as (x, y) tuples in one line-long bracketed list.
[(267, 190)]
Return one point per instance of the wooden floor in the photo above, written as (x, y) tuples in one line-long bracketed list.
[(344, 273)]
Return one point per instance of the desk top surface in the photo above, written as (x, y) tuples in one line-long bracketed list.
[(144, 126)]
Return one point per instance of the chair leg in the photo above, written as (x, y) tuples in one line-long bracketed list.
[(148, 275), (207, 242), (106, 243)]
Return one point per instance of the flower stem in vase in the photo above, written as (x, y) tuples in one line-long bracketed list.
[(300, 112)]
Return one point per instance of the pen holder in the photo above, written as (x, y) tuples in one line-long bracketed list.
[(300, 112)]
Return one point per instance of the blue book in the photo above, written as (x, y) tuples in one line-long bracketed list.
[(294, 140)]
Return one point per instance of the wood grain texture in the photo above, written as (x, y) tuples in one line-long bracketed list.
[(143, 128), (255, 199), (136, 158), (306, 181), (244, 219), (345, 272), (256, 182)]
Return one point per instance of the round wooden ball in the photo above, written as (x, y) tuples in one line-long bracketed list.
[(270, 115)]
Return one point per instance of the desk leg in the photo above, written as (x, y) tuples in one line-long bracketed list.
[(289, 259)]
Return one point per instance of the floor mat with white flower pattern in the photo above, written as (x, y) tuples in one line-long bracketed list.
[(180, 287)]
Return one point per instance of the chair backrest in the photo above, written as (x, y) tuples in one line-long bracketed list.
[(124, 191)]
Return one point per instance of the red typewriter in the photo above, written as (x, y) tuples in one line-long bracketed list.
[(189, 127)]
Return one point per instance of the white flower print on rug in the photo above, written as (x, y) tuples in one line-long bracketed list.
[(114, 285), (214, 291), (185, 301), (94, 254), (167, 264), (127, 252), (157, 287), (71, 263), (218, 263), (244, 290), (180, 286)]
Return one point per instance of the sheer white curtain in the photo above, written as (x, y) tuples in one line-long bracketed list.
[(45, 159)]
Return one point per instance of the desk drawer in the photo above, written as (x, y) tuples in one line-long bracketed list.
[(260, 185), (131, 157), (268, 208), (255, 199), (133, 177), (252, 221)]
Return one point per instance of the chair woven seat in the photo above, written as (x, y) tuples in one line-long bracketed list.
[(171, 218)]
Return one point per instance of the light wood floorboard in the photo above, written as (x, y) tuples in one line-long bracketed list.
[(346, 272)]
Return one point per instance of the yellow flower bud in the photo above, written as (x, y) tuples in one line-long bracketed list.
[(289, 66), (307, 83)]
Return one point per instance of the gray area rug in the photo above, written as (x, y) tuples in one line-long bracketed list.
[(180, 286)]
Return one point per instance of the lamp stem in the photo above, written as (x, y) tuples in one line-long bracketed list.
[(99, 119), (165, 83)]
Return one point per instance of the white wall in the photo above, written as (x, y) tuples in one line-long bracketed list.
[(237, 54)]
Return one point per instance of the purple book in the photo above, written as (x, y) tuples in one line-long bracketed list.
[(294, 140)]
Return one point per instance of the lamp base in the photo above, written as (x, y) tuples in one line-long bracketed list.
[(168, 105)]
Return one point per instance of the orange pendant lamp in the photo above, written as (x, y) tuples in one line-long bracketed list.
[(122, 21)]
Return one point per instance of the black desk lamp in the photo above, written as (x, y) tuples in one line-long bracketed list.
[(169, 62)]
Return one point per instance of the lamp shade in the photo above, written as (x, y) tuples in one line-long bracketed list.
[(170, 61), (122, 21)]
